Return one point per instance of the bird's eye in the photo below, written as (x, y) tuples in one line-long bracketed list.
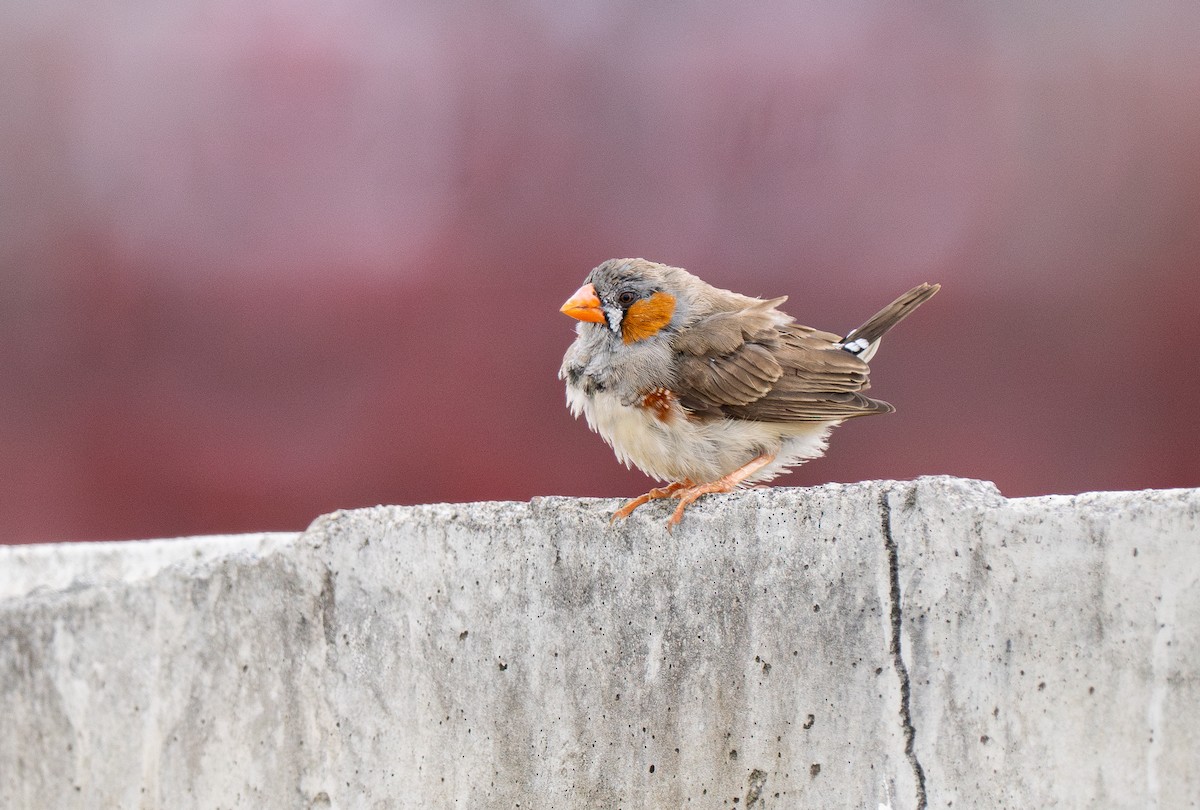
[(626, 297)]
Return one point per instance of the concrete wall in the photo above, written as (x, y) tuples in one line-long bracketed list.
[(894, 644)]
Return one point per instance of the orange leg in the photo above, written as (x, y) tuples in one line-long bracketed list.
[(727, 483), (653, 495)]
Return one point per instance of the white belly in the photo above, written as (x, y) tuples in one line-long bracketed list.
[(676, 448)]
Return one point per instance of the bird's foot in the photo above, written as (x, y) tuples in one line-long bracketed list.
[(727, 483), (653, 495)]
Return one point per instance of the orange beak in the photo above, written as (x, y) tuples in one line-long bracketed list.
[(584, 305)]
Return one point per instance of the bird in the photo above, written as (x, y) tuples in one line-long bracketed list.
[(707, 390)]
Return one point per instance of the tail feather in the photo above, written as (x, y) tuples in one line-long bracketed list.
[(864, 340)]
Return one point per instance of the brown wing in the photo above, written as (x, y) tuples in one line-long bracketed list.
[(745, 365)]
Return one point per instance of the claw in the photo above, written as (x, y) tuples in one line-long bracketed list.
[(653, 495), (728, 483)]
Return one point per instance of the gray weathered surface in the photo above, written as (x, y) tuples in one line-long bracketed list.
[(1054, 647), (60, 566), (509, 654)]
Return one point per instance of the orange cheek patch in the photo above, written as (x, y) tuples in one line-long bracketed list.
[(646, 317)]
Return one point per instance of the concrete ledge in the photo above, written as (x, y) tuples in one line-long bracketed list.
[(62, 566), (895, 644)]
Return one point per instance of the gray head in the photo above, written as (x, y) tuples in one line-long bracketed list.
[(634, 299)]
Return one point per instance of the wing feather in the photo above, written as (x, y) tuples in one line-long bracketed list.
[(756, 365)]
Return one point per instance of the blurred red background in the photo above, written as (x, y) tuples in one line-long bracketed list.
[(264, 260)]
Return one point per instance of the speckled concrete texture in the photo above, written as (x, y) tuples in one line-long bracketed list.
[(895, 644), (1053, 646)]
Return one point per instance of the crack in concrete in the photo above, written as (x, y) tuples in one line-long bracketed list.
[(910, 731)]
